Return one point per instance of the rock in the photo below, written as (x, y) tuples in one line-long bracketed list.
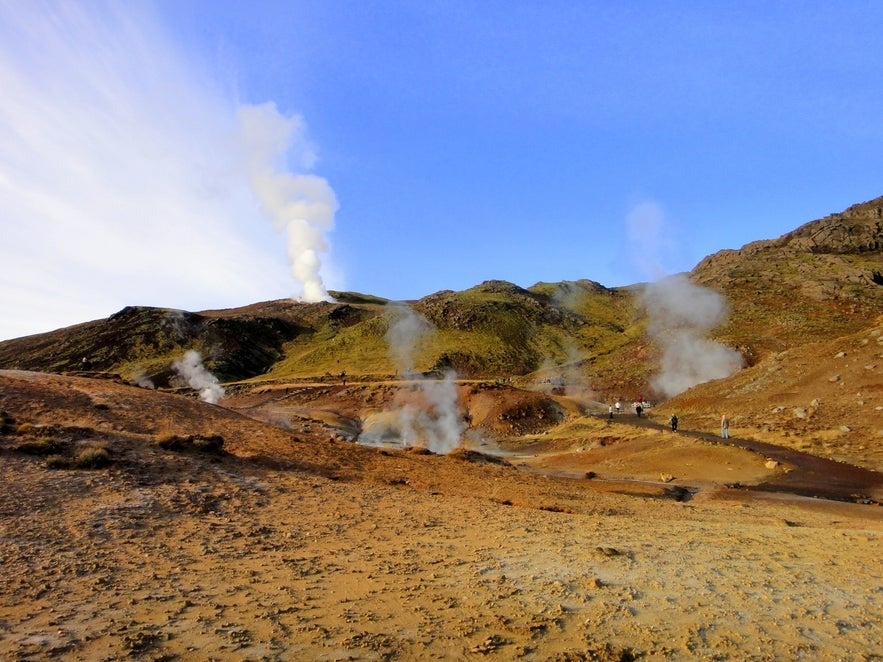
[(771, 464), (839, 355), (834, 378), (799, 412), (666, 478), (816, 403), (845, 428), (489, 645)]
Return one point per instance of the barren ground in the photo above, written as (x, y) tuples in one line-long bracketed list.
[(297, 545)]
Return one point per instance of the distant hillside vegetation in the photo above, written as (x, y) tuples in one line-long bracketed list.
[(821, 281), (495, 329)]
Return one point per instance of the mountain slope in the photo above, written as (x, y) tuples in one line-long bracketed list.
[(143, 341), (821, 281)]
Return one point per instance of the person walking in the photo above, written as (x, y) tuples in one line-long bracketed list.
[(673, 421), (725, 427)]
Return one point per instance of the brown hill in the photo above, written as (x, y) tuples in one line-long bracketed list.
[(145, 523), (816, 284), (821, 281), (824, 398), (141, 341)]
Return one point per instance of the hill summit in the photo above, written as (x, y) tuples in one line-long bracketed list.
[(385, 480), (821, 281)]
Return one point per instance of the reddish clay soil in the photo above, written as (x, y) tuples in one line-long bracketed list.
[(295, 544)]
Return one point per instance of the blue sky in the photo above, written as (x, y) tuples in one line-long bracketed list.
[(462, 141)]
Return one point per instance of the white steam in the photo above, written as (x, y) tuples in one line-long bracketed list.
[(191, 369), (303, 205), (445, 426), (681, 314), (427, 415), (407, 331), (144, 381), (651, 242)]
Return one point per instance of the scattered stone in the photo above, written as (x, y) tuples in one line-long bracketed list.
[(7, 423), (211, 443), (833, 379), (489, 645), (666, 478), (845, 428), (839, 355), (799, 412), (418, 450), (771, 464), (680, 493)]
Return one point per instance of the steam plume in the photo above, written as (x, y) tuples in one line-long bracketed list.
[(680, 313), (144, 381), (404, 336), (650, 241), (191, 369), (432, 419), (302, 206)]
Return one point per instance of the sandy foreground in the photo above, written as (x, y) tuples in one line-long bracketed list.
[(231, 563), (168, 555)]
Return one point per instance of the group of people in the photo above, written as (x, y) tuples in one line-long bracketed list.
[(616, 408), (725, 425), (673, 421)]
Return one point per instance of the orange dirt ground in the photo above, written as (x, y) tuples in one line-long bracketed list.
[(292, 544)]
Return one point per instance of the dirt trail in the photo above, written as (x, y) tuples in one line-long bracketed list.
[(799, 473)]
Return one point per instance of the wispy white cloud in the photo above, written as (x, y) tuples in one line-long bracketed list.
[(122, 175)]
